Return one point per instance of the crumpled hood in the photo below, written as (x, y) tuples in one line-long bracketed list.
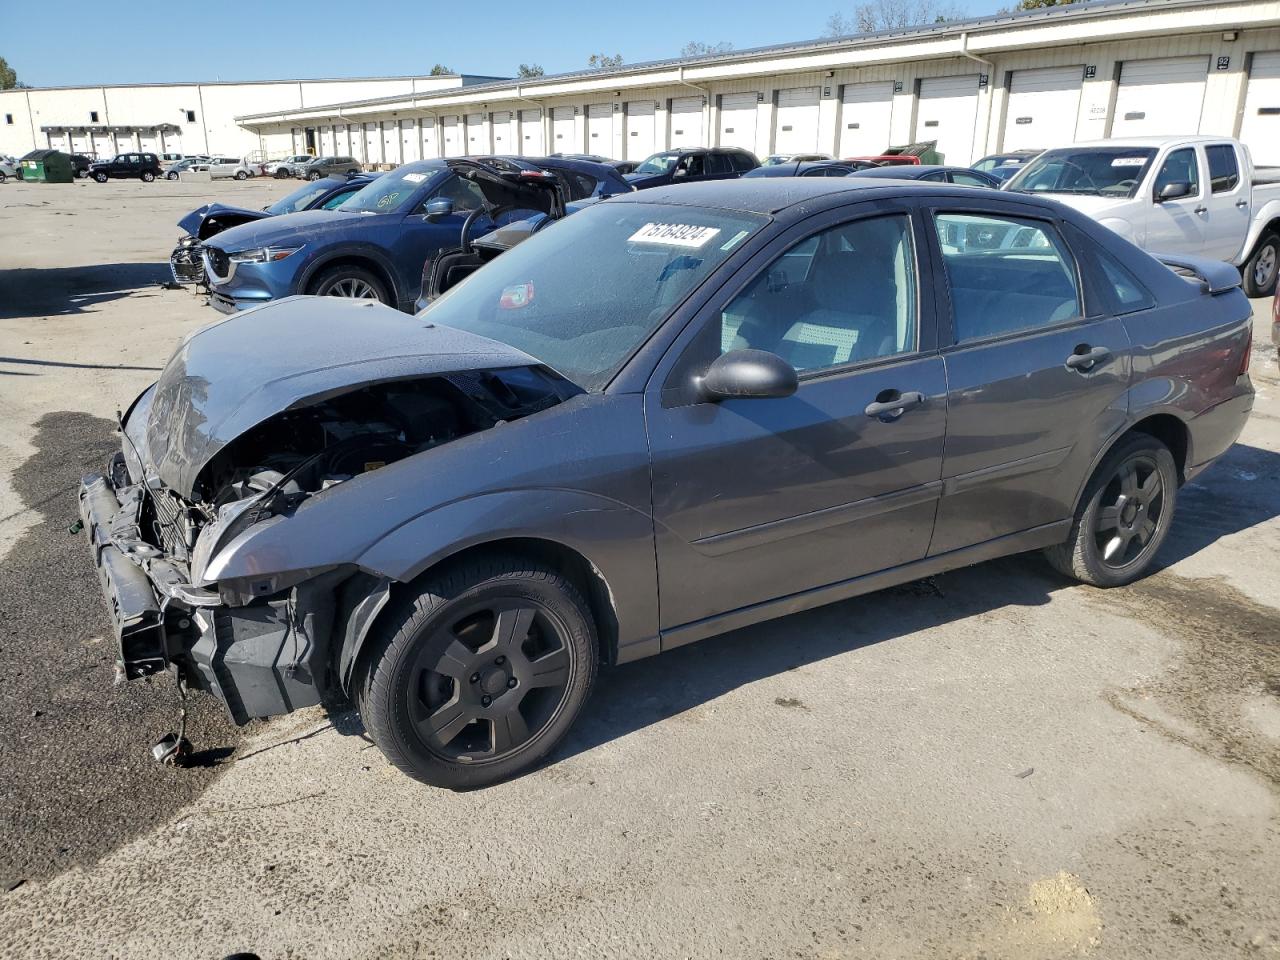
[(230, 376), (309, 225), (192, 222)]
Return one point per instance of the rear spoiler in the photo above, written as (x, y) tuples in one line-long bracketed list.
[(1214, 276)]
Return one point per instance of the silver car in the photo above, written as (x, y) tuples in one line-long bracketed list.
[(224, 168), (288, 167)]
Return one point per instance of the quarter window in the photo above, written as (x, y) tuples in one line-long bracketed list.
[(967, 179), (1179, 167), (1224, 171), (1005, 275), (843, 296), (1130, 294)]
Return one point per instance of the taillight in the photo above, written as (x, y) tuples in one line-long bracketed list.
[(1248, 352)]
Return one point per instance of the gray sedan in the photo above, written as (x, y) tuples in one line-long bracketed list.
[(673, 414)]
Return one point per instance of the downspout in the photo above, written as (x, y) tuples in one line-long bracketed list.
[(543, 121), (706, 106), (991, 69)]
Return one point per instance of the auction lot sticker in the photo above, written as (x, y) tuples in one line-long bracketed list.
[(674, 234)]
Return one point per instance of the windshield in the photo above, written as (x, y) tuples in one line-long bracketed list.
[(300, 199), (388, 193), (1091, 171), (658, 163), (646, 258)]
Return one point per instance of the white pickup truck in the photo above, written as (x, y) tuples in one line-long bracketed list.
[(1196, 195)]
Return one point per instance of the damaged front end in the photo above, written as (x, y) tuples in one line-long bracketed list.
[(202, 469), (186, 262)]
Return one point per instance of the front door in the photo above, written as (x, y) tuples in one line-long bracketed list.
[(1036, 377), (420, 239), (1177, 226), (771, 497)]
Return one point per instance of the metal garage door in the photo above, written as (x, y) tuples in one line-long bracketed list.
[(738, 120), (562, 140), (326, 141), (1159, 97), (148, 142), (796, 127), (600, 129), (865, 112), (531, 133), (640, 140), (340, 147), (58, 141), (477, 139), (410, 144), (430, 137), (124, 143), (103, 146), (1260, 128), (80, 143), (686, 122), (390, 142), (948, 113), (453, 145), (504, 138), (372, 144), (1043, 108)]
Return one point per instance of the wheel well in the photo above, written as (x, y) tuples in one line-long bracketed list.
[(1170, 431), (356, 261), (564, 560)]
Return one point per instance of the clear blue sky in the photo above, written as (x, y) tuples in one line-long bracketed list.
[(78, 42)]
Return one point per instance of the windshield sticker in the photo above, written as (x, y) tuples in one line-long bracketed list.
[(516, 296), (1128, 161), (389, 199), (734, 240), (673, 234), (414, 177)]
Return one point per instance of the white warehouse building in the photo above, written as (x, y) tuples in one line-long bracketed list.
[(177, 117), (1107, 68)]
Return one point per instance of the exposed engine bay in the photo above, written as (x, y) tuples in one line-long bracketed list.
[(308, 450)]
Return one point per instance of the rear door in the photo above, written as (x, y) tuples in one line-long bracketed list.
[(1178, 226), (1227, 218), (769, 498), (1036, 371)]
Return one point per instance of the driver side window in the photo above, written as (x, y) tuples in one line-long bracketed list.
[(466, 196), (1179, 167), (844, 296)]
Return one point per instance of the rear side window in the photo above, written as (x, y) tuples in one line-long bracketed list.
[(1224, 171), (1006, 274), (718, 163), (1129, 293), (741, 162)]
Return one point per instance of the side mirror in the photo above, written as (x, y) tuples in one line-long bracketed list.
[(439, 208), (748, 374), (1174, 191), (680, 172)]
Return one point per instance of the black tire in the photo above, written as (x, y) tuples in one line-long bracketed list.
[(352, 173), (3, 176), (1263, 266), (81, 174), (349, 280), (282, 174), (1139, 515), (100, 177), (148, 176), (241, 175), (171, 175), (479, 674), (313, 175)]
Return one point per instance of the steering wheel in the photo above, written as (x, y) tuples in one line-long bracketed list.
[(1093, 184)]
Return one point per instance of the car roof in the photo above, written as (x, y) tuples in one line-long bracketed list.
[(770, 195), (1148, 141), (908, 171)]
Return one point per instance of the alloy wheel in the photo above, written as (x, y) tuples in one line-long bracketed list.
[(1264, 268), (1129, 512), (490, 679), (352, 287)]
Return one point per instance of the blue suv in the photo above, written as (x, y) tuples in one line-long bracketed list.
[(374, 245)]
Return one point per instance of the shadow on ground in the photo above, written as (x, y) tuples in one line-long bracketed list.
[(76, 779), (61, 291)]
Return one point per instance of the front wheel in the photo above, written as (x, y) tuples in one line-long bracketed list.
[(282, 174), (313, 175), (3, 176), (351, 281), (479, 673), (1260, 270), (1124, 515), (100, 177)]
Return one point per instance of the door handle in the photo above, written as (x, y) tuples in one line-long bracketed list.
[(1202, 209), (1086, 357), (1242, 203), (890, 404)]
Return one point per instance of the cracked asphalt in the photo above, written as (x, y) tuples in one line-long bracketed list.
[(993, 763)]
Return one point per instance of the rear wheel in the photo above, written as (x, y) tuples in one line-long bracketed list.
[(1124, 515), (100, 177), (241, 175), (147, 176), (351, 281), (479, 674), (1260, 271)]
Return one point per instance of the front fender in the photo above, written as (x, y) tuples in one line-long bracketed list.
[(348, 250)]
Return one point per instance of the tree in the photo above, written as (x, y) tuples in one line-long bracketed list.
[(440, 70), (875, 15), (1037, 4), (696, 48), (528, 70), (8, 76), (602, 61)]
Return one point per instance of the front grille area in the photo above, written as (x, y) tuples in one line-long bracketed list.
[(186, 263), (172, 524), (219, 262)]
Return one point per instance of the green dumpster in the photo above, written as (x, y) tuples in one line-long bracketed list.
[(47, 166)]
